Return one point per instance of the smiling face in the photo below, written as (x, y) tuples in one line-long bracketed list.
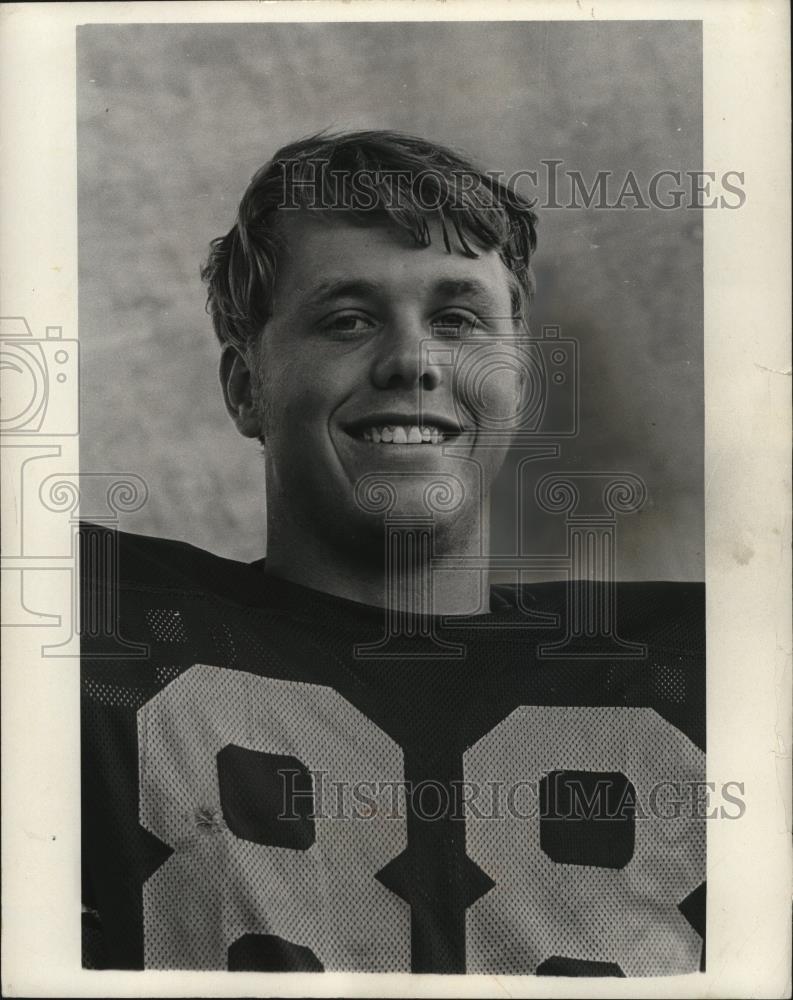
[(346, 379)]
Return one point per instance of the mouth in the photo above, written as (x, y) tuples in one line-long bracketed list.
[(390, 429)]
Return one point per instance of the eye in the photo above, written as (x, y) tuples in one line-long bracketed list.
[(347, 325), (453, 323)]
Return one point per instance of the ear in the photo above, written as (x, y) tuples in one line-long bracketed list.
[(520, 330), (235, 380)]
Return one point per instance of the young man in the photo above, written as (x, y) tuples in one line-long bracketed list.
[(354, 755)]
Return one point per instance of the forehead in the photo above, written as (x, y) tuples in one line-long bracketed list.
[(322, 252)]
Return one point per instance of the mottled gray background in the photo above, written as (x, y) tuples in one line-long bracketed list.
[(174, 119)]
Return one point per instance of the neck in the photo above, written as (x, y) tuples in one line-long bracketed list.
[(404, 581)]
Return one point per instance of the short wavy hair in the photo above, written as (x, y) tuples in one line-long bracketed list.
[(375, 177)]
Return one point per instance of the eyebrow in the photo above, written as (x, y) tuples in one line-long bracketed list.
[(361, 288), (344, 288), (453, 287)]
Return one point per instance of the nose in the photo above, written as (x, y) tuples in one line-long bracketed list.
[(404, 360)]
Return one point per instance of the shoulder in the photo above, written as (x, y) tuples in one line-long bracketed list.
[(663, 614), (111, 559), (660, 613), (661, 595)]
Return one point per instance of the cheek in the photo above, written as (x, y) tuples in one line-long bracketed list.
[(296, 407), (302, 388), (507, 393), (494, 397)]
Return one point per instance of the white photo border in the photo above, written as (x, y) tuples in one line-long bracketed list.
[(747, 475)]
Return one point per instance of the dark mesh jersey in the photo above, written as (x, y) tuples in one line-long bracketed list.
[(273, 782)]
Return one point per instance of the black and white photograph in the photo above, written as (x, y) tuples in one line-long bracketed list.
[(391, 551)]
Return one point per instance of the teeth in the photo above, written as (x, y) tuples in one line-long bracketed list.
[(403, 434)]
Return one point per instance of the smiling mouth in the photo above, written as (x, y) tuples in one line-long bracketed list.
[(402, 432), (414, 434)]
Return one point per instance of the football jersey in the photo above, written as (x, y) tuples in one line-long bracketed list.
[(274, 779)]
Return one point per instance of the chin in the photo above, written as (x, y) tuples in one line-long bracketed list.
[(455, 531)]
